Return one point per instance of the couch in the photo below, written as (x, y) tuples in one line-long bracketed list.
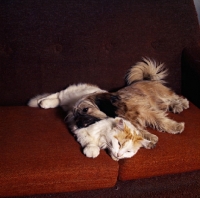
[(46, 46)]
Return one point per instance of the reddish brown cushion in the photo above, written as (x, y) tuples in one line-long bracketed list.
[(39, 155), (173, 153)]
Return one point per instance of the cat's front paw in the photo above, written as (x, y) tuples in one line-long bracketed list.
[(91, 151)]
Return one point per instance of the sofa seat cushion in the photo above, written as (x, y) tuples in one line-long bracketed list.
[(173, 153), (39, 155)]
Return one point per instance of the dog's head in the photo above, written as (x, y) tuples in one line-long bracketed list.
[(93, 108)]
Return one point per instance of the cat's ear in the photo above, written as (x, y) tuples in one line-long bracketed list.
[(120, 123)]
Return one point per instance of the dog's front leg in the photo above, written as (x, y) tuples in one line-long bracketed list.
[(151, 137), (51, 101)]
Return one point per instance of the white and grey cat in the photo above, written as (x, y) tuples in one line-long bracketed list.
[(117, 135)]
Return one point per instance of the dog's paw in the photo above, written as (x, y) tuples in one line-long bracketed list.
[(91, 151), (178, 128), (185, 103), (177, 108), (153, 141), (180, 105), (48, 103)]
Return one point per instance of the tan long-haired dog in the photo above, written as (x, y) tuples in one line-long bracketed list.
[(144, 102)]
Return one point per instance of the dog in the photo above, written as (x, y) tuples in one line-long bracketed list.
[(144, 102), (67, 99)]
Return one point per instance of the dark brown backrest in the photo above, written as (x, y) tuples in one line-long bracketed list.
[(47, 45)]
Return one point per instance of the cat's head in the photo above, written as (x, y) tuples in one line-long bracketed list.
[(126, 140)]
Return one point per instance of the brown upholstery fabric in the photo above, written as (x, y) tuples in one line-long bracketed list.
[(39, 155), (47, 45), (173, 153)]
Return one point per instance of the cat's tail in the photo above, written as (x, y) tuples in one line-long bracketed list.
[(148, 69), (33, 102)]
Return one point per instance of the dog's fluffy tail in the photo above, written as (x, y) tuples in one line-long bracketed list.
[(149, 69), (33, 102)]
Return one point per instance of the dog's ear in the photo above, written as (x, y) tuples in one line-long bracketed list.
[(114, 98), (104, 102)]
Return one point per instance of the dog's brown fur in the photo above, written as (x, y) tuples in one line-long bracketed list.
[(144, 102), (147, 103)]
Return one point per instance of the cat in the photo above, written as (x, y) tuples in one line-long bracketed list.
[(117, 135)]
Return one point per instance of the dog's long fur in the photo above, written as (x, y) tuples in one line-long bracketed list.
[(144, 102)]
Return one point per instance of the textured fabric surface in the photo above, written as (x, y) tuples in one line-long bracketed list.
[(47, 45), (184, 185), (173, 153), (39, 155)]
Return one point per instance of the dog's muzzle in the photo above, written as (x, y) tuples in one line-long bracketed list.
[(84, 120)]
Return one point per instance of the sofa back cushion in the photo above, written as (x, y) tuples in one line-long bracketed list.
[(44, 47)]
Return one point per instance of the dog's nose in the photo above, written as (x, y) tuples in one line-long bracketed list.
[(76, 113), (77, 116)]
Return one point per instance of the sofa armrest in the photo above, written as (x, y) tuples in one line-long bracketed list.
[(191, 74)]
